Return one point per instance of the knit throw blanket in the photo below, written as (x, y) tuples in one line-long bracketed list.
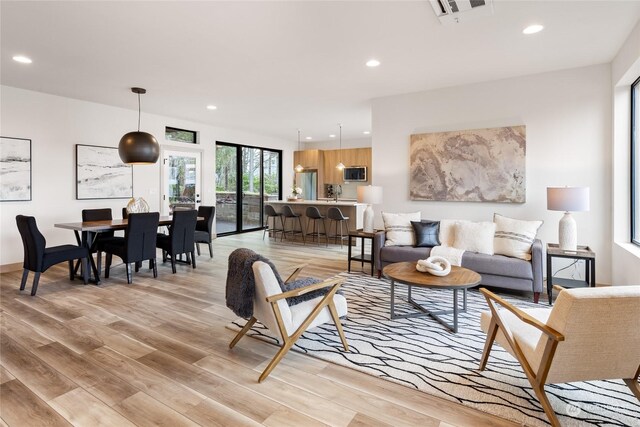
[(241, 284)]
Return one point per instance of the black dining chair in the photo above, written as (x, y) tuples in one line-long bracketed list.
[(38, 258), (180, 239), (97, 246), (204, 227), (139, 243)]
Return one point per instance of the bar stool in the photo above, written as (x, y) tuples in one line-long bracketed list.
[(288, 213), (270, 212), (313, 214), (335, 215)]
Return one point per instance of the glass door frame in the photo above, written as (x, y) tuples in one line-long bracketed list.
[(239, 190), (171, 150)]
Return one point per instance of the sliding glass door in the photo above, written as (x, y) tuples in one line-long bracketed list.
[(246, 177)]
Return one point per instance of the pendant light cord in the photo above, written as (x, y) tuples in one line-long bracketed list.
[(138, 111)]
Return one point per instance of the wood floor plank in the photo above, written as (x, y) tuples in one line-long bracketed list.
[(145, 411), (42, 379), (160, 387), (22, 333), (295, 397), (20, 407), (214, 387), (52, 328), (107, 387), (362, 420), (5, 375), (156, 351), (82, 409), (187, 353), (215, 414), (49, 308)]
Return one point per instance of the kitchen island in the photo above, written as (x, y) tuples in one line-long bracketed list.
[(353, 210)]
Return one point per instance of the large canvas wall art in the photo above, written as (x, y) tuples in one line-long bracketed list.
[(478, 165), (100, 174), (15, 169)]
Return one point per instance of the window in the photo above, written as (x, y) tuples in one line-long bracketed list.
[(180, 135), (635, 162)]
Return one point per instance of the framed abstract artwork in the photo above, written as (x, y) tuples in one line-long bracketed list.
[(100, 174), (477, 165), (15, 169)]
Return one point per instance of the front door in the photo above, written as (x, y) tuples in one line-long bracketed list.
[(181, 180)]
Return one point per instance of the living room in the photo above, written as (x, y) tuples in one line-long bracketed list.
[(569, 84)]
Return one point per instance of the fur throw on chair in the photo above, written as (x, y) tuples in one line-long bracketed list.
[(240, 287)]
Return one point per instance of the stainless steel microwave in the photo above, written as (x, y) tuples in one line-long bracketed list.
[(354, 173)]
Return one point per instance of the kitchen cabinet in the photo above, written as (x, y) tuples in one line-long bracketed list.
[(349, 157)]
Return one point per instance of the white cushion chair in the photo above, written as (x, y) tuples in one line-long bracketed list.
[(290, 322), (589, 334)]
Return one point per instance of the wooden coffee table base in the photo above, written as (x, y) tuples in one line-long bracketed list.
[(426, 312)]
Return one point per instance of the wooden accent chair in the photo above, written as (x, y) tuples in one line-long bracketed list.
[(589, 334), (290, 322)]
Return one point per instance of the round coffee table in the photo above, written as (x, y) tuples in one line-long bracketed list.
[(459, 279)]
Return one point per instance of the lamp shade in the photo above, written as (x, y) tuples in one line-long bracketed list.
[(568, 199), (138, 148), (370, 194)]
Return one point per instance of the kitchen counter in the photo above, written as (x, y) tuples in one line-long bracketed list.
[(353, 210), (315, 202)]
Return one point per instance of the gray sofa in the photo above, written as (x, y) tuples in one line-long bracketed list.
[(496, 270)]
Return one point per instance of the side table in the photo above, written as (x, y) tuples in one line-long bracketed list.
[(582, 253), (368, 258)]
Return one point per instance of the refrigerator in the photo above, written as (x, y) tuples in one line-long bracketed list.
[(308, 181)]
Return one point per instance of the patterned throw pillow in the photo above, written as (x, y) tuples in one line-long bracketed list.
[(399, 231), (514, 237), (475, 236), (426, 233)]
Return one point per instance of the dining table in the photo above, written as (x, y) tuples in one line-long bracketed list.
[(87, 231)]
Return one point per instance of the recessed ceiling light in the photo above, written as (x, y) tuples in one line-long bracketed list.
[(366, 132), (373, 63), (211, 107), (532, 29), (22, 59), (332, 136), (308, 137)]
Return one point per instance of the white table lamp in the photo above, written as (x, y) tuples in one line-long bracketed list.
[(371, 195), (568, 199)]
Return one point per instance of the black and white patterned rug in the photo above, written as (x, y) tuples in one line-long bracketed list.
[(422, 354)]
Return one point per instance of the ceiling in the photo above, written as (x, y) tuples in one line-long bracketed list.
[(273, 67)]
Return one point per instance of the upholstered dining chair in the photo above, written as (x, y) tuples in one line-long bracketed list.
[(180, 239), (139, 243), (97, 246), (38, 258), (289, 322), (204, 227), (589, 334)]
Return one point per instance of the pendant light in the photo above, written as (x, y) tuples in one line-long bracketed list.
[(340, 165), (299, 167), (139, 148)]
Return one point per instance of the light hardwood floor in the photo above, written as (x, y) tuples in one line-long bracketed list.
[(156, 353)]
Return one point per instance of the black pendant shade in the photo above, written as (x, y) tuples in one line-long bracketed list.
[(139, 147)]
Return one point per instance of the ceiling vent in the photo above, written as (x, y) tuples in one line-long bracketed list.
[(456, 11)]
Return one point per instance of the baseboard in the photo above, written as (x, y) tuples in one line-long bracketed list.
[(8, 268)]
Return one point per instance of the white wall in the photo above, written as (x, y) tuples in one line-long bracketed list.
[(55, 124), (625, 69), (333, 144), (568, 123)]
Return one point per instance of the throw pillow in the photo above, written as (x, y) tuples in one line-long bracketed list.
[(426, 233), (514, 237), (448, 231), (475, 236), (399, 231)]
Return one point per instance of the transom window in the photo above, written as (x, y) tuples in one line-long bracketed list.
[(180, 135)]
